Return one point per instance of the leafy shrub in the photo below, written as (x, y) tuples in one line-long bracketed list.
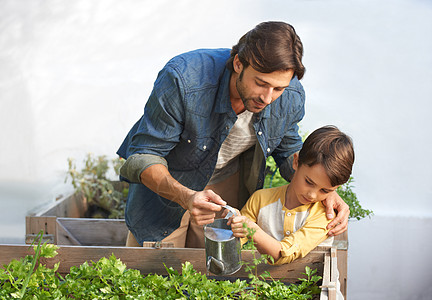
[(109, 278), (104, 200)]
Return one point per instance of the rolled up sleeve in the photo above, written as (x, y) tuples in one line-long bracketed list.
[(137, 163)]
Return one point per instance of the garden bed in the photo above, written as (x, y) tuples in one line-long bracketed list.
[(153, 261), (63, 223)]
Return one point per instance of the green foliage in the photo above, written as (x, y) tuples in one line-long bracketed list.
[(348, 195), (27, 278), (345, 191), (265, 287), (103, 199), (109, 278), (273, 178)]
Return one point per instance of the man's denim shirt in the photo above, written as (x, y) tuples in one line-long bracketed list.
[(186, 118)]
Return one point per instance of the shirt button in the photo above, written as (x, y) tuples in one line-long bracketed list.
[(288, 214), (259, 132), (205, 147), (189, 141), (268, 149), (287, 233)]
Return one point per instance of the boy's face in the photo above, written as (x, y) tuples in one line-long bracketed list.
[(310, 184)]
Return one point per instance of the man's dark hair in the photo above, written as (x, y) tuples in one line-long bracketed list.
[(332, 149), (270, 46)]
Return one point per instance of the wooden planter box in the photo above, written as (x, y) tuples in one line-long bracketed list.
[(151, 260), (63, 224)]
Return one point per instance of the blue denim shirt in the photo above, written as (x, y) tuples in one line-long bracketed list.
[(186, 118)]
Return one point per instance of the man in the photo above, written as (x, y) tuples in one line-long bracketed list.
[(212, 119)]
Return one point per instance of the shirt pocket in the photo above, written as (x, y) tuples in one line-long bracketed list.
[(194, 152)]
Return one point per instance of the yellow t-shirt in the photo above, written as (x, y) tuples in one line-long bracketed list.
[(299, 230)]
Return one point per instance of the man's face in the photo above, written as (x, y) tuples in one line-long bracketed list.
[(257, 90)]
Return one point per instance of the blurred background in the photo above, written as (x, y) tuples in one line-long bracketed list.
[(75, 76)]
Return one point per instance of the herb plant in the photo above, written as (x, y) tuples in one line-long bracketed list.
[(265, 287), (104, 200), (109, 278)]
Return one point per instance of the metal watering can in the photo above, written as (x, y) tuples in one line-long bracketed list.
[(223, 249)]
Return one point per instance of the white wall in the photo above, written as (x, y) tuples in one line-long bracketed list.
[(75, 75)]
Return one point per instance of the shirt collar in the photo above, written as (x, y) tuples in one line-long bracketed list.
[(223, 103)]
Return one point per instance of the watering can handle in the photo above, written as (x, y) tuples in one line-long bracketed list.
[(231, 212)]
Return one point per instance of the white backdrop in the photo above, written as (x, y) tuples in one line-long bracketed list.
[(75, 75)]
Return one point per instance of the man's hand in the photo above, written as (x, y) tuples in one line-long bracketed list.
[(203, 206), (340, 223)]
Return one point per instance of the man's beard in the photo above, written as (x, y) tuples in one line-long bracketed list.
[(248, 102)]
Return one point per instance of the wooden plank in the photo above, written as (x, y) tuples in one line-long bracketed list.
[(95, 232), (71, 206), (35, 224), (334, 272), (341, 243), (64, 236), (333, 275), (150, 260), (157, 245), (326, 271), (342, 262)]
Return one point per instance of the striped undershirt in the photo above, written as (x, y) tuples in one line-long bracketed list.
[(240, 138)]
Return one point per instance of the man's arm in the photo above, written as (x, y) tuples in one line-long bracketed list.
[(152, 171), (202, 205)]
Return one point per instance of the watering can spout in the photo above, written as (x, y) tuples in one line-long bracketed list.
[(215, 265)]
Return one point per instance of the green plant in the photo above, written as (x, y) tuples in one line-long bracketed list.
[(103, 199), (348, 195), (109, 278), (273, 178), (265, 287), (345, 191), (24, 277), (256, 280)]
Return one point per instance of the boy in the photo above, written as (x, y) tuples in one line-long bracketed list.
[(290, 220)]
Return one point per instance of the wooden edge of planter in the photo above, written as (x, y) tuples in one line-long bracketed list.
[(329, 282), (72, 205), (91, 232), (151, 260)]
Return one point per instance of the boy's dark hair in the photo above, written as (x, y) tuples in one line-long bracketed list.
[(332, 149), (270, 46)]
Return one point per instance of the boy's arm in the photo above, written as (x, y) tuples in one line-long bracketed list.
[(264, 243), (304, 240), (292, 246)]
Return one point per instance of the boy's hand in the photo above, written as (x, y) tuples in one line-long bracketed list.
[(340, 223), (237, 227)]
